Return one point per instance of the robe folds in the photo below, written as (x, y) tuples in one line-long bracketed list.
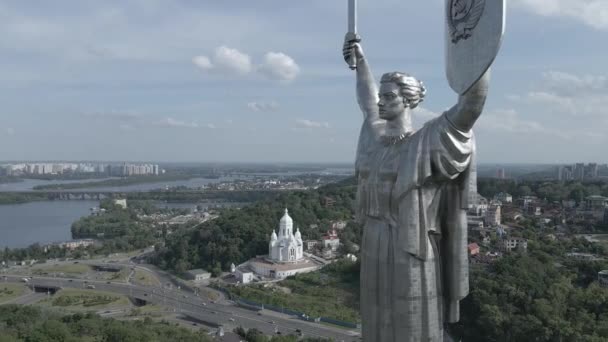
[(411, 200)]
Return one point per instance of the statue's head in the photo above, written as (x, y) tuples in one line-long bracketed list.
[(398, 93)]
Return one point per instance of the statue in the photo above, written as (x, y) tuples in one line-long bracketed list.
[(413, 185)]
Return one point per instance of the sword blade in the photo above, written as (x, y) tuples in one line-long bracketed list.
[(352, 16)]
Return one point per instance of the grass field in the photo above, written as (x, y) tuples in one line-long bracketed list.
[(61, 268), (11, 291), (331, 292), (73, 299), (145, 278)]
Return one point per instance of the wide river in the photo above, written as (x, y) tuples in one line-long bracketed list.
[(24, 224), (44, 222)]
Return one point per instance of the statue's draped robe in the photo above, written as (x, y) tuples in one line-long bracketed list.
[(412, 199)]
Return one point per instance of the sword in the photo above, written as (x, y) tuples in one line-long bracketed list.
[(352, 36)]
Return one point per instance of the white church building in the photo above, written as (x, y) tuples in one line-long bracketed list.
[(285, 253)]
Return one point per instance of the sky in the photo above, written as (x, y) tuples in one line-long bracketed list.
[(264, 80)]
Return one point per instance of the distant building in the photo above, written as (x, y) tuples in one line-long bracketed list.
[(121, 202), (328, 202), (244, 275), (579, 171), (582, 256), (596, 202), (492, 216), (338, 225), (198, 275), (511, 243), (310, 244), (331, 240), (76, 243), (602, 277), (500, 173), (504, 197), (287, 246), (473, 249), (285, 254)]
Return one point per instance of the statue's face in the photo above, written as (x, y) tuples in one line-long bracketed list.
[(391, 104)]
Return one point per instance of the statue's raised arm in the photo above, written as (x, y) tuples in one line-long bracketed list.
[(470, 105), (367, 89)]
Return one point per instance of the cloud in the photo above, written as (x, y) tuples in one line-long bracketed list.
[(263, 106), (593, 13), (9, 131), (565, 92), (170, 122), (304, 123), (210, 126), (232, 60), (275, 66), (508, 121), (202, 62), (225, 59), (279, 66)]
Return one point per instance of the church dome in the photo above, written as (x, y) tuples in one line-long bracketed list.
[(273, 236), (286, 219), (298, 234)]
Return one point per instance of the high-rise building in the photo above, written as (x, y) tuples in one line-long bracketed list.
[(500, 173), (592, 170), (579, 171)]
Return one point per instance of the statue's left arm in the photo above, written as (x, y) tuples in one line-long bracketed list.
[(470, 105)]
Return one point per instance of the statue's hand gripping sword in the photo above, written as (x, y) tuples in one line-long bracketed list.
[(352, 36)]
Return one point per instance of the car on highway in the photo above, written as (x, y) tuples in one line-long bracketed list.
[(204, 304), (145, 294), (271, 322), (70, 280), (231, 319), (108, 282)]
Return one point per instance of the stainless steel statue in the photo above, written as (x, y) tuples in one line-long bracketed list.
[(413, 185)]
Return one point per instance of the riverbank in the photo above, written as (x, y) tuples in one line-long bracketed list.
[(115, 182), (7, 198)]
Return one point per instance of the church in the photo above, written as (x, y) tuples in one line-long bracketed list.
[(285, 254), (287, 246)]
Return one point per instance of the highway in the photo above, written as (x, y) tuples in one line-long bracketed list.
[(212, 314)]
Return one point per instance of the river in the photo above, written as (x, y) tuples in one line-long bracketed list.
[(49, 221), (44, 222)]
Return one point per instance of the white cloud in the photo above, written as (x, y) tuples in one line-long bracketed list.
[(9, 131), (564, 92), (304, 123), (508, 120), (210, 126), (261, 106), (202, 62), (232, 60), (170, 122), (279, 66), (592, 12)]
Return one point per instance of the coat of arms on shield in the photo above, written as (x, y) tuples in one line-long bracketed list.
[(464, 17), (474, 30)]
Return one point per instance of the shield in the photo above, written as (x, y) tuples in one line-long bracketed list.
[(474, 31)]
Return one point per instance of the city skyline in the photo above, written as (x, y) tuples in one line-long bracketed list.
[(83, 82)]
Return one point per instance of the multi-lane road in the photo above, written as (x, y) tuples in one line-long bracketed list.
[(186, 303)]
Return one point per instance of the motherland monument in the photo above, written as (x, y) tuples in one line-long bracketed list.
[(413, 186)]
